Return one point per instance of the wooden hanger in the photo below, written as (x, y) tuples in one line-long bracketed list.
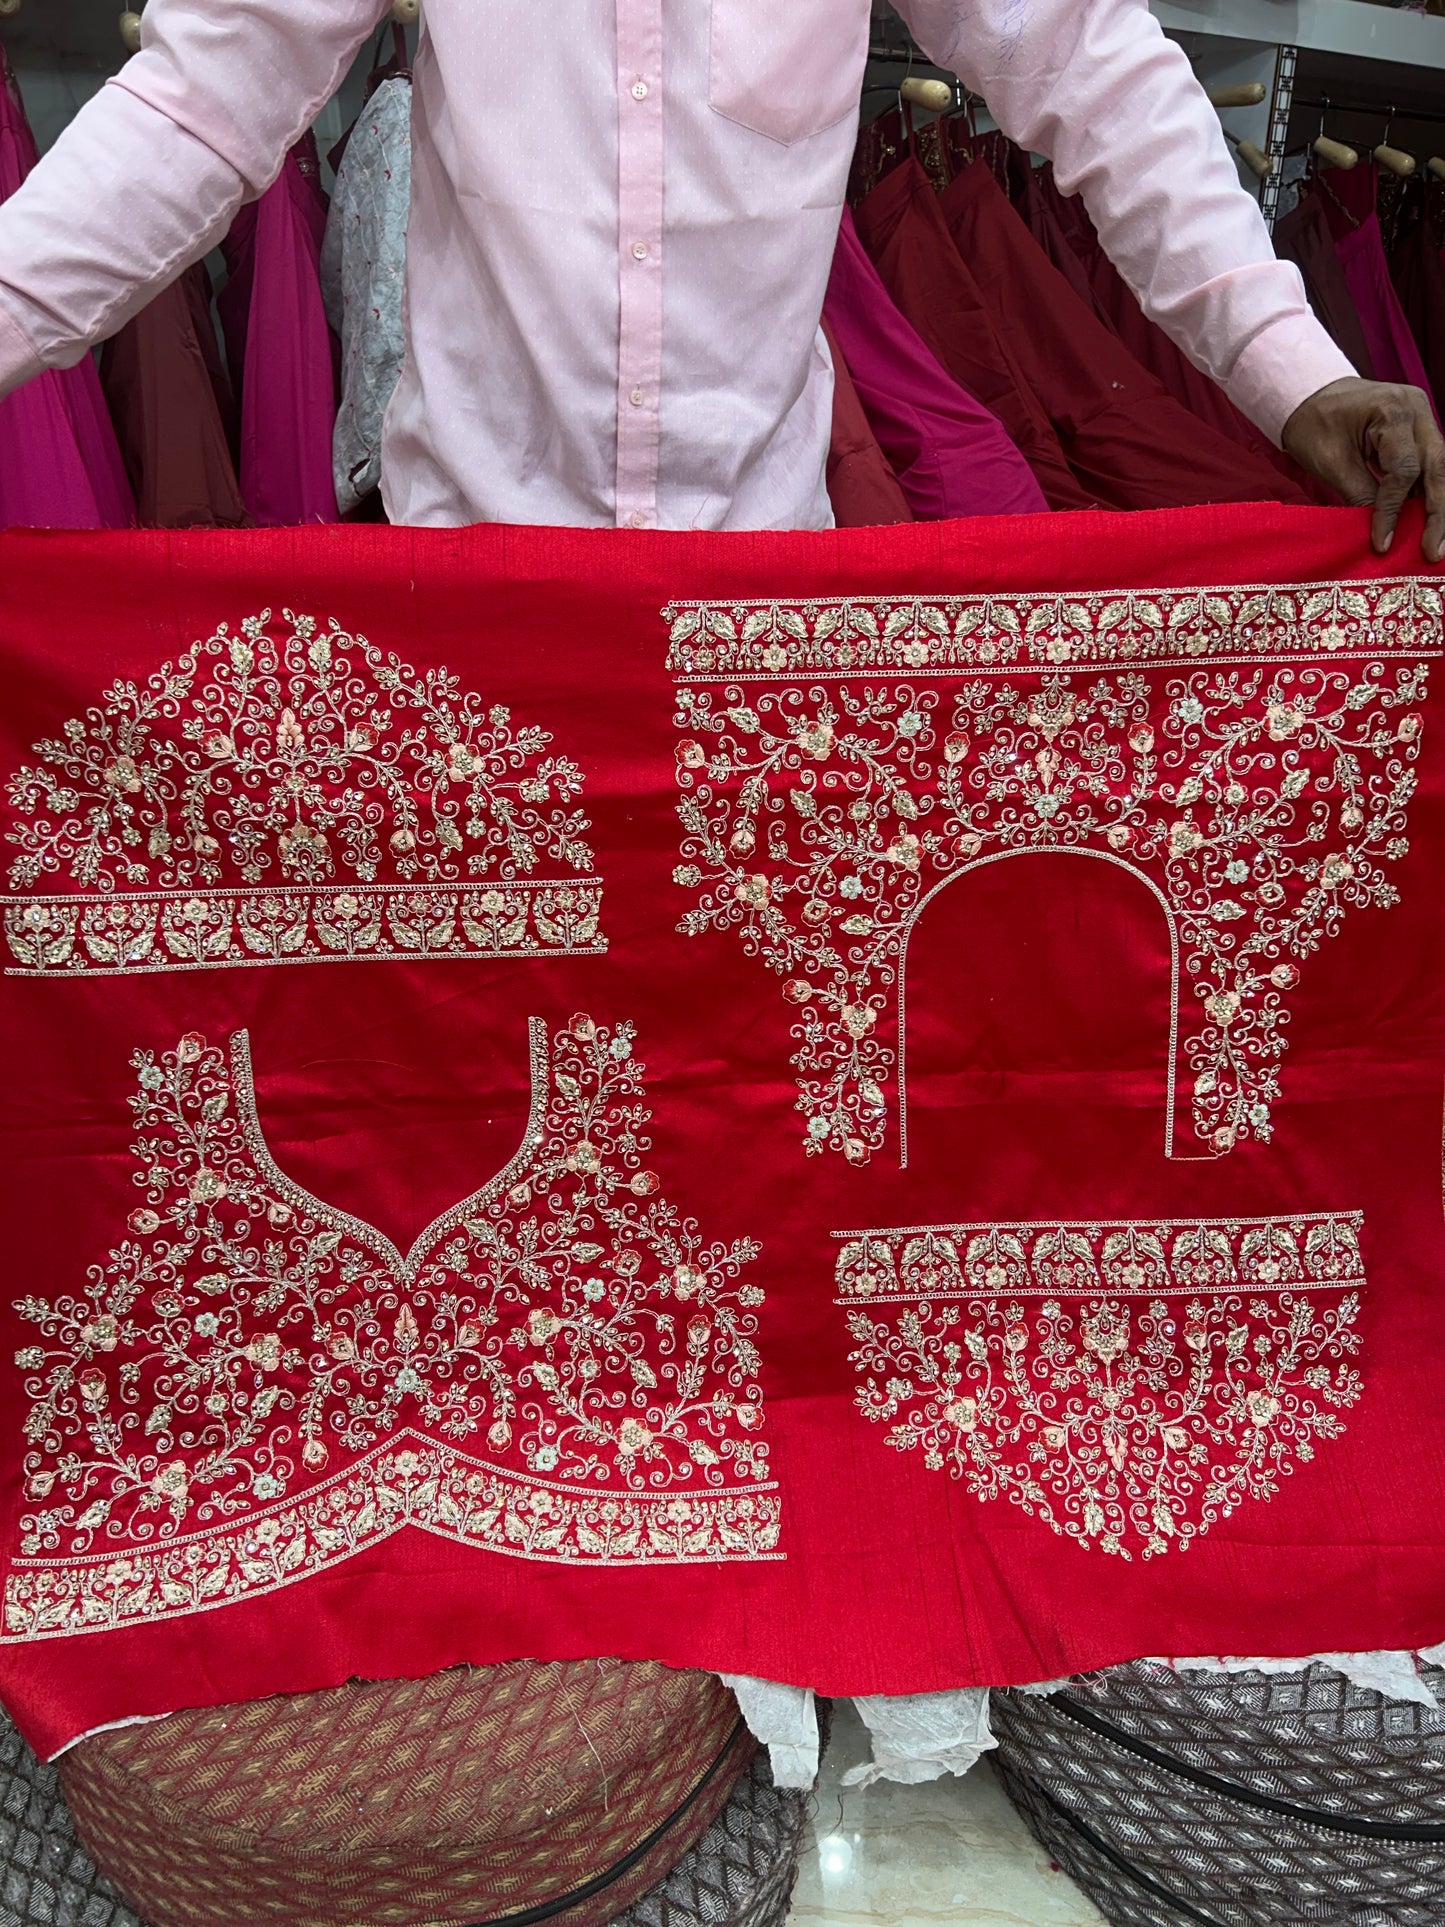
[(130, 31), (1334, 153), (8, 9), (1394, 160), (1241, 93), (1436, 166), (1254, 158), (935, 95)]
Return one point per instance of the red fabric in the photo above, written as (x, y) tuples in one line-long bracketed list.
[(1303, 236), (1078, 693), (904, 231), (952, 456), (59, 463), (1419, 275), (862, 487), (280, 348), (1124, 436)]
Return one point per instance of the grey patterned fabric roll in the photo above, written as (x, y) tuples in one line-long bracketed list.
[(46, 1879), (1235, 1800)]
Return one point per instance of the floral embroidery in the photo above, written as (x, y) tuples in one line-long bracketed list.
[(1402, 616), (1258, 803), (576, 1367), (291, 795), (1130, 1384)]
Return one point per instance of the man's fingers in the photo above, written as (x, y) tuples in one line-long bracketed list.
[(1433, 466), (1399, 460)]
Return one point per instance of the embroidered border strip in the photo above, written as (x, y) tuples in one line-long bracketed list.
[(1401, 616), (412, 1481), (1130, 1383), (159, 930)]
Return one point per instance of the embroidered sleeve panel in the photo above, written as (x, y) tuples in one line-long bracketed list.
[(1130, 1384), (560, 1367), (1258, 797), (287, 793)]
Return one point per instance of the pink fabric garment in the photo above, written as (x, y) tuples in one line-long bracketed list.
[(280, 348), (696, 177), (951, 455), (60, 465), (1349, 198)]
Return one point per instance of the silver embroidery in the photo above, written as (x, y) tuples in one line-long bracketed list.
[(1257, 803), (577, 1368), (1128, 1383), (288, 794)]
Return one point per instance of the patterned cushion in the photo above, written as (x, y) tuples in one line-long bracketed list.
[(470, 1796), (1239, 1800)]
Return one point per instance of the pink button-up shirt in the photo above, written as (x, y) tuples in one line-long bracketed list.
[(615, 274)]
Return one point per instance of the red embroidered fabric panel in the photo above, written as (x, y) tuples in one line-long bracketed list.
[(572, 1094)]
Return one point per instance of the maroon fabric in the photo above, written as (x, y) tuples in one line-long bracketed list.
[(902, 226), (1419, 275), (1304, 237), (862, 487), (166, 390), (1117, 302), (951, 455), (1124, 435)]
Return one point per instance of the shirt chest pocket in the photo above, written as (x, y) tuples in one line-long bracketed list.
[(788, 69)]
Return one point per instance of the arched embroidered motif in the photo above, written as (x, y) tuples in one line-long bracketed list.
[(1129, 1383), (289, 794), (839, 761), (255, 1385)]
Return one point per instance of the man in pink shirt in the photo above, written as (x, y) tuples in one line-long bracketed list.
[(614, 282)]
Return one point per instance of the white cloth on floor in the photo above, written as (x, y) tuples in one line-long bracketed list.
[(922, 1736), (784, 1719)]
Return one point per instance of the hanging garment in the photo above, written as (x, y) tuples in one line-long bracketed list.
[(1346, 198), (281, 352), (862, 487), (903, 229), (1126, 439), (951, 455), (59, 464), (1303, 236), (363, 271), (953, 1227), (173, 411), (1145, 340), (1418, 273)]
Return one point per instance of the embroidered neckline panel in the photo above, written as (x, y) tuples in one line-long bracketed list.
[(289, 794), (1248, 754), (1129, 1383), (560, 1367)]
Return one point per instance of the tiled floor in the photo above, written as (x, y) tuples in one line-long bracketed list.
[(913, 1856)]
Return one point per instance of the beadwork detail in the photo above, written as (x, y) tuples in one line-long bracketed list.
[(1258, 803), (575, 1368), (289, 794), (1130, 1384)]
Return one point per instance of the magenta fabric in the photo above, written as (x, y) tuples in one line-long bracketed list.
[(952, 456), (1387, 332), (60, 466), (281, 351)]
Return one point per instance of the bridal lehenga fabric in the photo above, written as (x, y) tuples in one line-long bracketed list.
[(861, 1110)]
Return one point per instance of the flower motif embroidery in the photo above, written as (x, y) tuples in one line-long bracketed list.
[(287, 795), (1130, 1384), (1259, 803), (564, 1328)]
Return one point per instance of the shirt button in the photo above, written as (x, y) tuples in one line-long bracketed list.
[(637, 519), (637, 398), (639, 250), (639, 90)]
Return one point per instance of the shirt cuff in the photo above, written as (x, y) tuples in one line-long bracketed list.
[(1290, 361), (18, 358)]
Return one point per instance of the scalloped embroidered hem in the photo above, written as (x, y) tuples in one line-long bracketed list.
[(433, 1487), (349, 923), (1164, 1373)]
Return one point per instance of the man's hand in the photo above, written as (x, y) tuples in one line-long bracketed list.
[(1373, 441)]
